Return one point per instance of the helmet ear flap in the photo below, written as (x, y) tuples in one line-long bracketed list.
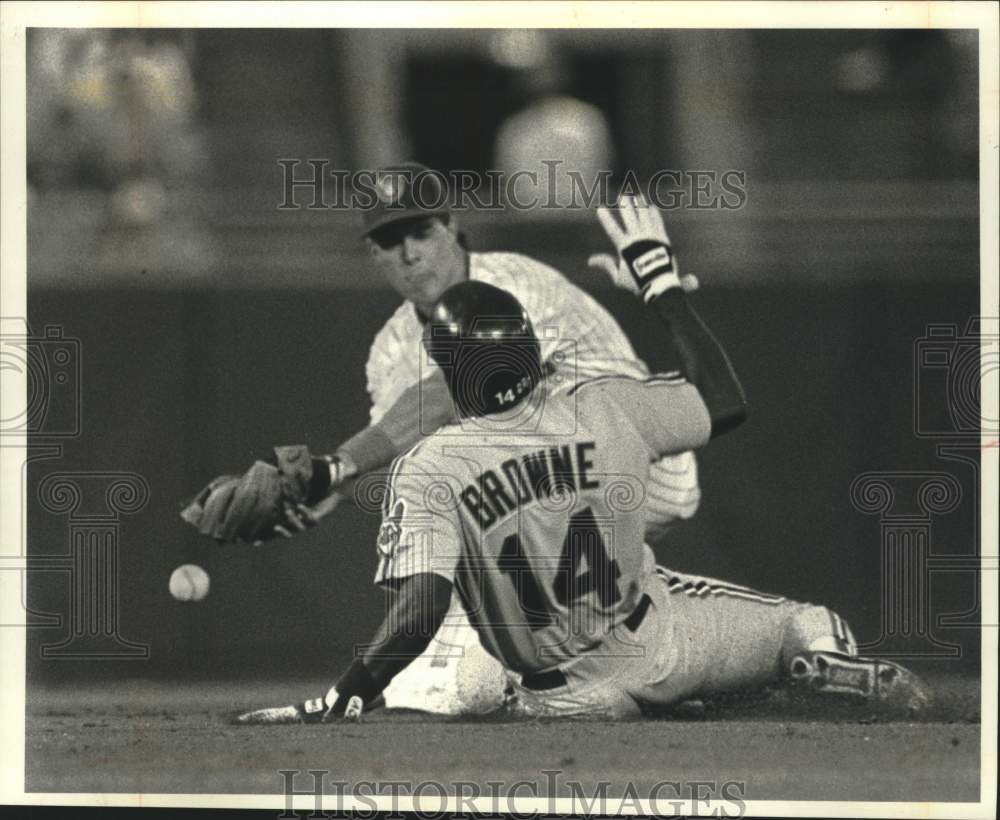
[(493, 376)]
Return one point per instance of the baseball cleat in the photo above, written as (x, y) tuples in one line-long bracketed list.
[(311, 711), (870, 679)]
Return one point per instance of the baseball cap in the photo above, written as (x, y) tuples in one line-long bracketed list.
[(405, 191)]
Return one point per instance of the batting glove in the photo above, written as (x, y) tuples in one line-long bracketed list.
[(618, 271), (646, 261)]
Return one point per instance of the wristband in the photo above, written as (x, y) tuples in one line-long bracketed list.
[(357, 680), (651, 264), (326, 474)]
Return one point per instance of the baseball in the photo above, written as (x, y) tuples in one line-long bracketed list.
[(189, 582)]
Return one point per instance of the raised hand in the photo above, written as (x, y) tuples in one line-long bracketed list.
[(647, 264)]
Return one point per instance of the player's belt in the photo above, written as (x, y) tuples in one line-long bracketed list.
[(554, 678)]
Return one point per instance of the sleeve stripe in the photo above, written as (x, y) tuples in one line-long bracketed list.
[(390, 480), (672, 490), (683, 471), (394, 474), (597, 380), (672, 378)]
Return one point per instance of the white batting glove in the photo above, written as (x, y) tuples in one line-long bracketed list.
[(619, 273), (647, 264)]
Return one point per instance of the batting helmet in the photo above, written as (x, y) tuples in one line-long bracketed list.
[(481, 338)]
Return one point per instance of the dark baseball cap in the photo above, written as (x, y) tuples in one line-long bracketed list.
[(405, 191)]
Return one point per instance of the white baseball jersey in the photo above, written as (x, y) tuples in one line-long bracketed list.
[(578, 337), (541, 532)]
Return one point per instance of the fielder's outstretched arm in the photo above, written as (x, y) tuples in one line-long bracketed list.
[(421, 409)]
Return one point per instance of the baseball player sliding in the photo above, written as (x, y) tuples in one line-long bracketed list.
[(421, 253), (525, 508)]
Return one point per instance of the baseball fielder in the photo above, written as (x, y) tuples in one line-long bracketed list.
[(524, 509)]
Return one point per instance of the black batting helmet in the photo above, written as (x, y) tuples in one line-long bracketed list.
[(481, 338)]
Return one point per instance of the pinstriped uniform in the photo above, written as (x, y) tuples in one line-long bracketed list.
[(567, 322)]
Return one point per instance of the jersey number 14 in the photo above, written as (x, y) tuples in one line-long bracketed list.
[(584, 540)]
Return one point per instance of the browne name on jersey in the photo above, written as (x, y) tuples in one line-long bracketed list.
[(524, 479)]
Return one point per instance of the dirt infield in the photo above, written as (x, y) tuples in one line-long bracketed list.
[(151, 738)]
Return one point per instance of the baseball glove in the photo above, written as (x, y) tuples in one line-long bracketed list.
[(247, 507)]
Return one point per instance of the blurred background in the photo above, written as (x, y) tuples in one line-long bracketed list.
[(213, 325)]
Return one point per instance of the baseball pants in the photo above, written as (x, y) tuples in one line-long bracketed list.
[(697, 636)]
